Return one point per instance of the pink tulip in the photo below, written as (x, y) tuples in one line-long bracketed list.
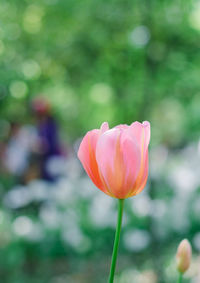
[(116, 159)]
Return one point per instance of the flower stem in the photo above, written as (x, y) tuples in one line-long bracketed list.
[(116, 242), (180, 277)]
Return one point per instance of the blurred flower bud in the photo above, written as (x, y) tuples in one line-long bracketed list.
[(183, 256)]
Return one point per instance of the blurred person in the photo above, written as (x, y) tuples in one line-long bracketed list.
[(2, 154), (47, 129)]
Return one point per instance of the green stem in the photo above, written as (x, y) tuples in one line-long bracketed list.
[(180, 277), (116, 242)]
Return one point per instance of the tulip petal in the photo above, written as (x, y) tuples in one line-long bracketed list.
[(104, 127), (122, 127), (86, 154), (146, 126), (132, 161), (141, 179), (141, 132), (118, 158)]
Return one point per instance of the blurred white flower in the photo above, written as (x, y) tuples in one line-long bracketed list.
[(142, 205), (22, 226), (50, 216), (184, 179), (140, 36), (57, 166), (85, 188), (178, 213), (198, 148), (158, 158), (73, 236), (63, 192), (158, 208), (184, 170), (39, 190), (132, 275), (102, 212), (136, 240), (73, 167), (18, 197)]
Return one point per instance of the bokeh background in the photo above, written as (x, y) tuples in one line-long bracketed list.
[(94, 61)]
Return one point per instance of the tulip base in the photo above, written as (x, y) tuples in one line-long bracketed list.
[(116, 241)]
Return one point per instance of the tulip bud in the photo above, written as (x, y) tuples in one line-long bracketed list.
[(183, 256)]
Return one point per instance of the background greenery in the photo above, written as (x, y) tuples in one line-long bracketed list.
[(115, 61)]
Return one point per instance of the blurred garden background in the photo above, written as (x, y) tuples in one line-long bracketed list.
[(66, 66)]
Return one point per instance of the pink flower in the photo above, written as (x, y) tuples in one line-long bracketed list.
[(116, 159), (183, 256)]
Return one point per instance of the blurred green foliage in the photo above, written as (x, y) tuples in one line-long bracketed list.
[(103, 60)]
